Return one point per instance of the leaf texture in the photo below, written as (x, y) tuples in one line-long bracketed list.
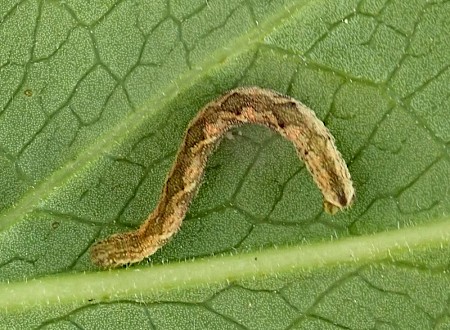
[(94, 100)]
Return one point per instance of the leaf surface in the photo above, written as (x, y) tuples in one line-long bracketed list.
[(95, 97)]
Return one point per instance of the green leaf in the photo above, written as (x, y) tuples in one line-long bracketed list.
[(95, 97)]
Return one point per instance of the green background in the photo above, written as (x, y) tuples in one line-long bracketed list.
[(95, 97)]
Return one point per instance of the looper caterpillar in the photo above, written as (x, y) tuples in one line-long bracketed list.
[(290, 118)]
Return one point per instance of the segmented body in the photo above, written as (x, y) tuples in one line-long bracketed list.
[(293, 120)]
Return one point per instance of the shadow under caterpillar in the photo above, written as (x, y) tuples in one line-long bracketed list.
[(290, 118)]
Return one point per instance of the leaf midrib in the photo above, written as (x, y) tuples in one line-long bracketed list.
[(163, 279), (105, 143)]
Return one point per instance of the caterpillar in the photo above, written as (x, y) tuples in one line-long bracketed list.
[(313, 142)]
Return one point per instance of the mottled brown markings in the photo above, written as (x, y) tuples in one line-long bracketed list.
[(292, 119)]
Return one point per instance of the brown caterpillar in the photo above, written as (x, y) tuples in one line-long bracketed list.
[(292, 119)]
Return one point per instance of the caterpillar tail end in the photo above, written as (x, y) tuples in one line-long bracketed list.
[(332, 208)]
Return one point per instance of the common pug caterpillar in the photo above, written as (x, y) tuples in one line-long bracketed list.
[(290, 118)]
